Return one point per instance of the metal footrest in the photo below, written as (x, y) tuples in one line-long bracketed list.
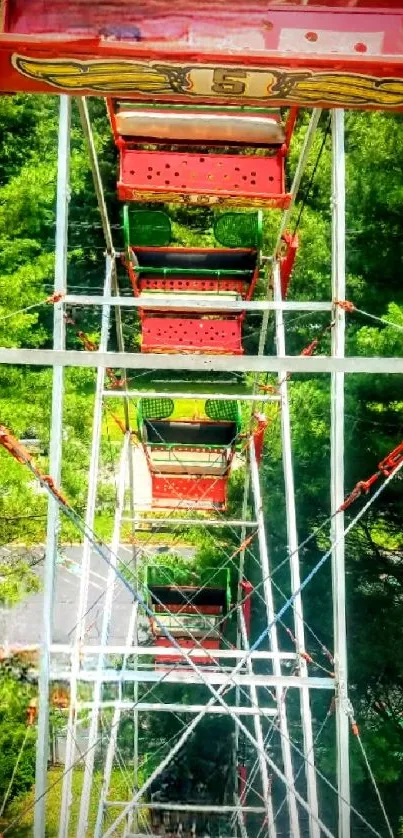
[(208, 179)]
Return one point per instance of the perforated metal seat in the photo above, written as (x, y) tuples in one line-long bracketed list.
[(220, 179)]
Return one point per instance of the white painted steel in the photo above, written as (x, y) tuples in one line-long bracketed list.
[(114, 729), (209, 363), (192, 522), (189, 676), (153, 651), (273, 638), (292, 538), (55, 463), (189, 807), (96, 175), (64, 822), (257, 721), (106, 622), (337, 472), (301, 166), (184, 303), (159, 707)]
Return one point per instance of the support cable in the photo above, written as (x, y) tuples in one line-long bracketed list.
[(54, 298), (356, 733), (380, 489), (350, 308), (301, 768), (217, 694)]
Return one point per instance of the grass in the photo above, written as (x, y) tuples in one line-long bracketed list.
[(118, 791)]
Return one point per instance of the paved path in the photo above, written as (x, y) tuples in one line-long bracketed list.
[(22, 624)]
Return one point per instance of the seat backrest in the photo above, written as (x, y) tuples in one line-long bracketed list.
[(146, 228), (220, 410), (156, 408), (239, 229)]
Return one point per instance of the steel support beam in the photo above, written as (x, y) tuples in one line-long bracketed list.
[(207, 677), (126, 706), (337, 472), (154, 651), (106, 622), (191, 522), (189, 807), (170, 301), (292, 538), (301, 166), (114, 730), (55, 464), (257, 721), (273, 638), (302, 161), (196, 363), (85, 569), (99, 191)]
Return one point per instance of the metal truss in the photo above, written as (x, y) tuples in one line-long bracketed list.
[(245, 673)]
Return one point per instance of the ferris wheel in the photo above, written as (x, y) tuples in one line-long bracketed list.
[(203, 105)]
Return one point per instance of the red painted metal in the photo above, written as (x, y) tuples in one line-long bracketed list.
[(247, 589), (258, 434), (287, 260), (205, 178), (189, 492), (242, 783), (332, 54), (191, 334), (115, 18), (188, 644)]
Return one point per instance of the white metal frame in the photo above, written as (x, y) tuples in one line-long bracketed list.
[(292, 536), (207, 363), (60, 286), (337, 471)]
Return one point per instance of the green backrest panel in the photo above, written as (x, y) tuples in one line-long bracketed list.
[(223, 411), (239, 229), (156, 408), (146, 228)]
